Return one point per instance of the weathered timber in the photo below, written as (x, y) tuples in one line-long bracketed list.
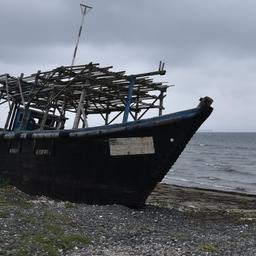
[(106, 92)]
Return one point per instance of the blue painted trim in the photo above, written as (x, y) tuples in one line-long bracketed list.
[(106, 129), (132, 81)]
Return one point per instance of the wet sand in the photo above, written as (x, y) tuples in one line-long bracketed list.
[(201, 199)]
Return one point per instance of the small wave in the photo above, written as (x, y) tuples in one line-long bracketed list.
[(216, 186), (234, 171), (243, 148), (210, 178), (179, 179), (208, 185), (222, 168), (240, 189), (227, 169), (249, 183), (198, 160), (199, 145), (211, 164), (222, 187)]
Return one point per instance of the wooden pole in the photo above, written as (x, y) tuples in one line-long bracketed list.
[(129, 98), (62, 115), (9, 116), (14, 112), (85, 123), (161, 99), (7, 91), (137, 103), (21, 94), (107, 114), (46, 112), (79, 109)]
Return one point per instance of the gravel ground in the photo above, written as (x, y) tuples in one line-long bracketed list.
[(174, 222)]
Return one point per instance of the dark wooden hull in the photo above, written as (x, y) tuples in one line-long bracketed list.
[(79, 166)]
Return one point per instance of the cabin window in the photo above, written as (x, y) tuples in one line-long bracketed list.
[(43, 147), (15, 146)]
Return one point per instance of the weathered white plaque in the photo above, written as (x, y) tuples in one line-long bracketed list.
[(131, 146)]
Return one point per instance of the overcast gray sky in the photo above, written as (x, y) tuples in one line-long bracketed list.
[(209, 47)]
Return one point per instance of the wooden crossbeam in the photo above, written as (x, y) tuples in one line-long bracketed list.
[(106, 91)]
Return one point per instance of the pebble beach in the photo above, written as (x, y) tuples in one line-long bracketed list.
[(175, 221)]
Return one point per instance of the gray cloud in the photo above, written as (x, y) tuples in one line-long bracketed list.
[(209, 46), (220, 25)]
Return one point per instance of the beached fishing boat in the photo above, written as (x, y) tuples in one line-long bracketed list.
[(116, 163)]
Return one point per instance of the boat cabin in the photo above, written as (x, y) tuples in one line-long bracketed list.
[(34, 119)]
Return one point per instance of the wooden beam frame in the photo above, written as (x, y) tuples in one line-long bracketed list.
[(85, 90)]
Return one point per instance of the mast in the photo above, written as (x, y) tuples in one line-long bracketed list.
[(84, 9)]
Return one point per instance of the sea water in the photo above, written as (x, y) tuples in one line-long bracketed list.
[(220, 161)]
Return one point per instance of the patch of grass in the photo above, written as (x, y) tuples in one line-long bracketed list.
[(56, 218), (4, 183), (69, 205), (146, 228), (4, 214), (11, 197), (22, 203), (51, 244), (176, 237), (25, 218), (55, 229), (208, 247), (69, 241)]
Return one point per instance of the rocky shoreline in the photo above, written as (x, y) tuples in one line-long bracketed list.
[(175, 221)]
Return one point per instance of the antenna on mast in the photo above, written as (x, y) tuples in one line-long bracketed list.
[(85, 9)]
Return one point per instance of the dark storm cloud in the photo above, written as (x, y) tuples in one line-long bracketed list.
[(209, 46), (185, 27)]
